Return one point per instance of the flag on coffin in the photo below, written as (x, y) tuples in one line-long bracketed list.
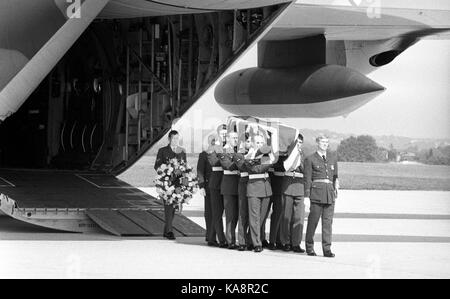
[(279, 136)]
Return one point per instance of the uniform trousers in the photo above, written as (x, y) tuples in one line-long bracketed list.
[(317, 211), (258, 209), (217, 208), (293, 220)]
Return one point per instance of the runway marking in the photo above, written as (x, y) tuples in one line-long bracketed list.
[(383, 238), (81, 176), (392, 216), (7, 182), (198, 213)]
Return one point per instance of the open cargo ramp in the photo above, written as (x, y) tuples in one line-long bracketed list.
[(85, 203)]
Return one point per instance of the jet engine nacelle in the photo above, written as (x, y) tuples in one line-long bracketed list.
[(307, 91)]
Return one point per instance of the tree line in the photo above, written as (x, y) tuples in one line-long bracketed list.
[(365, 149)]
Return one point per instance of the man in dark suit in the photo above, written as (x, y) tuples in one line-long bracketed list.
[(171, 151), (259, 189), (204, 171), (229, 188), (321, 187), (293, 199)]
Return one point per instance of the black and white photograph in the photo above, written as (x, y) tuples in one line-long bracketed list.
[(203, 142)]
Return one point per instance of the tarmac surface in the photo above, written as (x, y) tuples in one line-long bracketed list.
[(376, 234)]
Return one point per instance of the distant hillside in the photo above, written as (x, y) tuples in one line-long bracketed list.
[(404, 143), (399, 143)]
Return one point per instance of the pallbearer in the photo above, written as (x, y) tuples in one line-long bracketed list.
[(293, 199), (259, 190), (204, 170), (229, 187), (264, 242), (244, 238), (223, 132), (217, 205), (276, 178), (321, 187)]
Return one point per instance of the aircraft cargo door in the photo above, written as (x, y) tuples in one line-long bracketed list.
[(85, 202)]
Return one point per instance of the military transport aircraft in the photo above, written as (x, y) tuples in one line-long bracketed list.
[(89, 86)]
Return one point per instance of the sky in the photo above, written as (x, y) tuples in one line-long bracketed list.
[(416, 102)]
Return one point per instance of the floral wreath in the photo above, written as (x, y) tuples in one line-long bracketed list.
[(176, 183)]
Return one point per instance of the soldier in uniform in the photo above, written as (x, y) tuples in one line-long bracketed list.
[(244, 238), (293, 199), (229, 188), (276, 177), (223, 132), (171, 151), (259, 190), (321, 186), (204, 171), (215, 182)]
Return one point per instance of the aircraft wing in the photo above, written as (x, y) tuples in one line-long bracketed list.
[(313, 62), (370, 20), (362, 35), (142, 8)]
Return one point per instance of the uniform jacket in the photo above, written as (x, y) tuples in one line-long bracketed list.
[(204, 170), (316, 168), (239, 159), (258, 187), (277, 181), (215, 179), (230, 183), (166, 153), (294, 186)]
